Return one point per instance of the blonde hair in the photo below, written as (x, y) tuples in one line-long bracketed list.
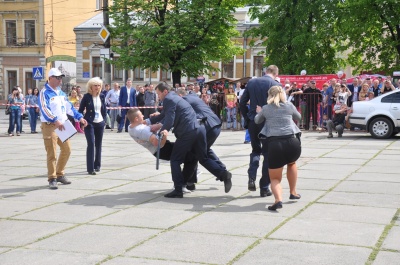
[(94, 81), (276, 95)]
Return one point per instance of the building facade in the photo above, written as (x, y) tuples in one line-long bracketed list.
[(90, 54), (36, 33)]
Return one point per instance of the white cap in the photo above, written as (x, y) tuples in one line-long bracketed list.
[(277, 79), (55, 72), (287, 85)]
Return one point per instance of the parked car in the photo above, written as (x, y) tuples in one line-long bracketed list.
[(379, 116)]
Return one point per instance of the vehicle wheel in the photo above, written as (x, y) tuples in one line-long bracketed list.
[(381, 128)]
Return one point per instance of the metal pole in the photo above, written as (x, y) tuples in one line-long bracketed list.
[(106, 23)]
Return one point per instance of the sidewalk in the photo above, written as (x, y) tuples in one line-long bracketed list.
[(348, 214)]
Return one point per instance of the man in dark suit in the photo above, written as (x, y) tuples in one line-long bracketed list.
[(257, 92), (127, 98), (178, 113), (209, 120), (354, 89)]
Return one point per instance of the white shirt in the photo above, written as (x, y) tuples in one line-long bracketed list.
[(128, 90), (97, 110)]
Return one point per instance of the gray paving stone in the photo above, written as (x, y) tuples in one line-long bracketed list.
[(114, 200), (369, 187), (348, 213), (46, 195), (95, 183), (11, 208), (356, 234), (65, 212), (146, 217), (7, 191), (302, 253), (311, 184), (394, 169), (38, 181), (3, 250), (46, 257), (323, 173), (380, 163), (133, 260), (240, 224), (18, 233), (387, 258), (145, 186), (346, 161), (346, 169), (392, 240), (362, 199), (374, 177), (209, 248), (104, 240)]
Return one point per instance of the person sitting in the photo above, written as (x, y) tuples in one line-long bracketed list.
[(338, 121)]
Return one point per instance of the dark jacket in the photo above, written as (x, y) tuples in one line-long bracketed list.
[(123, 97), (202, 111), (88, 106), (257, 92), (176, 113)]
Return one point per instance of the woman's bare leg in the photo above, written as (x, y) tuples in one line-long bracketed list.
[(275, 176), (292, 177)]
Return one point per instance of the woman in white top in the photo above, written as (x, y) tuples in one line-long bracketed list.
[(344, 94), (93, 107)]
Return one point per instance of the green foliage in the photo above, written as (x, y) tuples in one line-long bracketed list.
[(182, 35), (372, 28), (300, 34)]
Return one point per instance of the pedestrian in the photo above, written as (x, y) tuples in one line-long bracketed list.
[(16, 102), (127, 98), (33, 109), (256, 91), (179, 114), (54, 107), (94, 106), (282, 137), (112, 99)]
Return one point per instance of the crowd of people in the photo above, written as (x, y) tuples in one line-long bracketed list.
[(272, 114)]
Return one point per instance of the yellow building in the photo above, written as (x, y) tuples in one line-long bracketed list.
[(38, 33)]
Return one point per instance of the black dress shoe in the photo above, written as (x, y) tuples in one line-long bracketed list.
[(252, 185), (191, 187), (174, 194), (97, 170), (108, 127), (277, 205), (227, 178), (265, 192), (92, 173), (294, 197)]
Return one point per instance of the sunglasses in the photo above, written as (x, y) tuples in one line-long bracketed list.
[(57, 77)]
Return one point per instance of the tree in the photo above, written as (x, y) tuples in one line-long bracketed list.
[(299, 34), (371, 29), (184, 36)]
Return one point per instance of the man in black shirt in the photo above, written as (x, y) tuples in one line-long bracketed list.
[(312, 96), (338, 121)]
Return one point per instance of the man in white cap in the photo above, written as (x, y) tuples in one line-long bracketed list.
[(54, 107)]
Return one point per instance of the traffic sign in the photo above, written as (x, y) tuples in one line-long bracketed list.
[(37, 73), (104, 33)]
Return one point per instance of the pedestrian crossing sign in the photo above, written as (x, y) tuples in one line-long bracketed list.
[(37, 73)]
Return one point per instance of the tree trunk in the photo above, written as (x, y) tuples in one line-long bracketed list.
[(176, 77)]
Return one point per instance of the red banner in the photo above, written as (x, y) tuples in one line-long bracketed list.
[(301, 79)]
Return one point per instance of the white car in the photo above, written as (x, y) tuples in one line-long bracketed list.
[(379, 116)]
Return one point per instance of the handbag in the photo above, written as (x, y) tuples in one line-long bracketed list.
[(7, 110), (118, 118)]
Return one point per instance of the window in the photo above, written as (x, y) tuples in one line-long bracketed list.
[(392, 98), (258, 66), (138, 74), (29, 81), (227, 69), (118, 74), (99, 4), (97, 67), (165, 75), (30, 36), (11, 32), (12, 80)]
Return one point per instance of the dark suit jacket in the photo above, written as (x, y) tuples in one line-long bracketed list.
[(176, 113), (123, 97), (350, 99), (202, 110), (87, 103), (257, 92)]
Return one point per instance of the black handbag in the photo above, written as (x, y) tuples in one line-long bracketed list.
[(118, 118), (8, 111)]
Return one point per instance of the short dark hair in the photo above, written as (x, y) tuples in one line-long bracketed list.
[(162, 87)]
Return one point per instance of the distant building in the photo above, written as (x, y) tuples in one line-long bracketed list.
[(37, 33)]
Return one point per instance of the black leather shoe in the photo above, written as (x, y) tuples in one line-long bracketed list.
[(277, 205), (294, 197), (92, 173), (252, 185), (265, 192), (63, 180), (174, 194), (97, 170), (227, 177), (53, 184), (108, 127), (191, 187)]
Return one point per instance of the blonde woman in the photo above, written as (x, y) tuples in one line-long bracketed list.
[(94, 108), (364, 91), (230, 100), (282, 137)]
